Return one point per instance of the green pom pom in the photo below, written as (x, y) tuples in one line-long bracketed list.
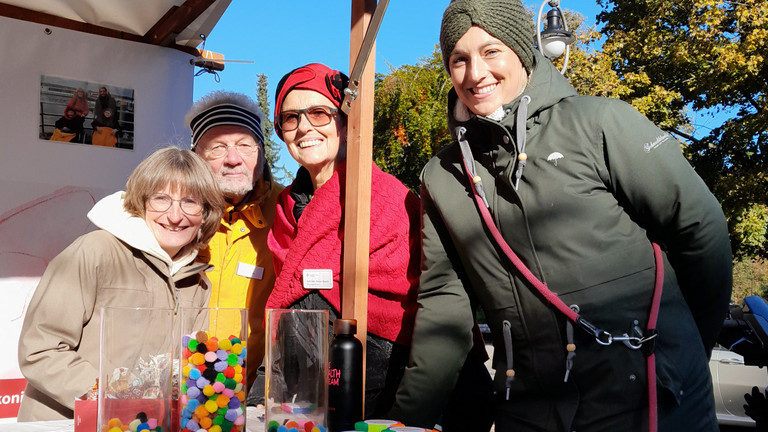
[(226, 425), (232, 359)]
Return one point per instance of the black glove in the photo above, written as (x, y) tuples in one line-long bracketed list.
[(757, 408)]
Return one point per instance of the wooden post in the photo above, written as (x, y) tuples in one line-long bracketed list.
[(357, 202)]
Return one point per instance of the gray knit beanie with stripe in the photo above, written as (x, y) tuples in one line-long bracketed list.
[(506, 20)]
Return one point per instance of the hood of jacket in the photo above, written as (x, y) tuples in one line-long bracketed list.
[(109, 215), (546, 87)]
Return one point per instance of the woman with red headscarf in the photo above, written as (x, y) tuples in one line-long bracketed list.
[(307, 234)]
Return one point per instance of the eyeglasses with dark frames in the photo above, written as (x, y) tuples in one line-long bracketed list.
[(161, 203), (317, 116)]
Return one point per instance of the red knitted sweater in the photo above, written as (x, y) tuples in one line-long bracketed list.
[(315, 242)]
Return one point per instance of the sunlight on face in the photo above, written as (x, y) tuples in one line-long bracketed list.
[(173, 228), (485, 73), (317, 148), (235, 173)]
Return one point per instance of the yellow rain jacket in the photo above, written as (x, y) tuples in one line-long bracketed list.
[(243, 274)]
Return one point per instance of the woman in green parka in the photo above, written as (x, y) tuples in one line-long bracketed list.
[(580, 189)]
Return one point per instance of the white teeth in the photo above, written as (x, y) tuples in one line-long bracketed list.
[(309, 143), (486, 89), (176, 229)]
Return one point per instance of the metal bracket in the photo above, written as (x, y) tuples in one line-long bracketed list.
[(351, 92)]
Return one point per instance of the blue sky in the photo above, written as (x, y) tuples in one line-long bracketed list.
[(279, 38)]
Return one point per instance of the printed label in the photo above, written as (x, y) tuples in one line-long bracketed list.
[(250, 271), (318, 279)]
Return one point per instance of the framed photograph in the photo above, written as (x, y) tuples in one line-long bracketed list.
[(82, 112)]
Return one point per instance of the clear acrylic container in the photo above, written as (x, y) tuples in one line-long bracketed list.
[(296, 364), (212, 383), (136, 368)]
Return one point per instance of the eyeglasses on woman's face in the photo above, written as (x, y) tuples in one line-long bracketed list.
[(316, 115), (161, 202)]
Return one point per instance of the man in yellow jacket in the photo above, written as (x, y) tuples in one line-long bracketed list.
[(226, 132)]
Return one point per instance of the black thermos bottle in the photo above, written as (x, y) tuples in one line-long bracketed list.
[(345, 377)]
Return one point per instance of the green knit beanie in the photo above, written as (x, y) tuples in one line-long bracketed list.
[(506, 20)]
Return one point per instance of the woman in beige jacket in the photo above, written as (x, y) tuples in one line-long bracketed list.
[(142, 255)]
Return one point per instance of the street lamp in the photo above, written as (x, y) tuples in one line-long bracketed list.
[(555, 39)]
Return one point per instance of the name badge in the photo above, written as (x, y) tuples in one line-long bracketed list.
[(250, 271), (318, 279)]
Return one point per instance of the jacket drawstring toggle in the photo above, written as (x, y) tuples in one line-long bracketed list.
[(571, 346), (510, 372), (522, 157)]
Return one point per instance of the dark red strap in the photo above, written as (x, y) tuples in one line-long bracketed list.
[(529, 276), (653, 418)]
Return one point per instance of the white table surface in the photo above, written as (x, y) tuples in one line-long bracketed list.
[(254, 423)]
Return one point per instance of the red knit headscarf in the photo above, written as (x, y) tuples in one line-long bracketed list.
[(314, 76)]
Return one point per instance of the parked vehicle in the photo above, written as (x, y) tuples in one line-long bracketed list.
[(744, 364), (731, 380)]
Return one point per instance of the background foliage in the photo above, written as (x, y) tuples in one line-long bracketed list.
[(410, 123), (271, 149)]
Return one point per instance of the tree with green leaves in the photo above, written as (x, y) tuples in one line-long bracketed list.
[(271, 148), (410, 124)]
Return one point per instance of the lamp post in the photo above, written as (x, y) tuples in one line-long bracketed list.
[(555, 39)]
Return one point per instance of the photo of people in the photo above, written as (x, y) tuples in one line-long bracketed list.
[(83, 112)]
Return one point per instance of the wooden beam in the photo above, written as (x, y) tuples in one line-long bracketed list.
[(174, 21), (43, 18), (357, 202), (23, 14)]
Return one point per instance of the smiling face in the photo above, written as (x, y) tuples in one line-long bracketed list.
[(485, 73), (319, 149), (235, 173), (173, 228)]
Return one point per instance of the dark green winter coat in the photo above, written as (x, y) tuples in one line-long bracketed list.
[(601, 182)]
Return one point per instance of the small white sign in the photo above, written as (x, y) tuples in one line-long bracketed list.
[(250, 271), (318, 279)]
